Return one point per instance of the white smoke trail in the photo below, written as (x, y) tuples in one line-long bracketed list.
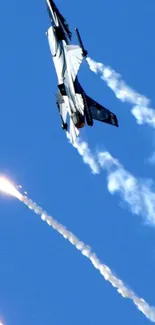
[(104, 270), (140, 110), (137, 193), (84, 151)]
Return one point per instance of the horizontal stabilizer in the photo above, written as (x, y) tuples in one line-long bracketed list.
[(73, 132), (101, 113), (61, 106)]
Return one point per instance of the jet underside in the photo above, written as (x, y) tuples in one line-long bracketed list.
[(71, 99)]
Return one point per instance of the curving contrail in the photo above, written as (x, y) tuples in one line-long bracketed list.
[(140, 110)]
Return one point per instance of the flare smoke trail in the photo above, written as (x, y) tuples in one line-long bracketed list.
[(104, 270), (142, 305), (140, 110)]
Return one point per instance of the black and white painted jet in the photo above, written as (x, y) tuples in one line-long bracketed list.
[(72, 102)]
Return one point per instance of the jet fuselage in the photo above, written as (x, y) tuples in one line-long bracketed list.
[(71, 99), (59, 45)]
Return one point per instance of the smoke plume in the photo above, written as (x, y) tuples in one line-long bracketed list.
[(85, 250), (140, 104)]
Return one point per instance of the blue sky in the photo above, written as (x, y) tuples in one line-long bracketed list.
[(43, 279)]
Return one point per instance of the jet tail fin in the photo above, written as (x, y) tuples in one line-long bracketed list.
[(101, 113)]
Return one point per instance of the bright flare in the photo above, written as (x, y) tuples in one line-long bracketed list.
[(7, 187)]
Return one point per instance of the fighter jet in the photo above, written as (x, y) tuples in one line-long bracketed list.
[(73, 104)]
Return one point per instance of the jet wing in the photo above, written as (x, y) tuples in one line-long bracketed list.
[(101, 113), (56, 16), (74, 59)]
